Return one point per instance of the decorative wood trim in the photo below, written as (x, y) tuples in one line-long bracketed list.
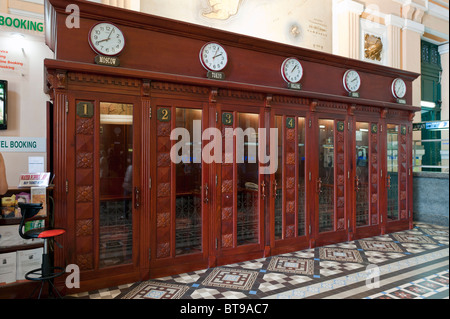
[(146, 87), (332, 105), (351, 109), (92, 78), (367, 109), (213, 95), (269, 99), (285, 99), (179, 88), (313, 106), (84, 227), (56, 79), (242, 95)]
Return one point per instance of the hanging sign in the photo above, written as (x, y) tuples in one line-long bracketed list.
[(437, 125)]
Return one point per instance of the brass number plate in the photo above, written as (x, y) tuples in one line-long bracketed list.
[(374, 128), (290, 122), (163, 115), (227, 118), (85, 109)]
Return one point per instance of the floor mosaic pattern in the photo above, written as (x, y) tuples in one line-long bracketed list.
[(411, 264)]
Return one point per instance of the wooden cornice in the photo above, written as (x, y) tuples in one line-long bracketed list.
[(140, 20), (79, 67)]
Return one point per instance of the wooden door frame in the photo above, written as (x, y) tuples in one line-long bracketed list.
[(321, 239), (284, 245), (221, 256), (159, 262), (128, 272), (373, 157), (405, 221)]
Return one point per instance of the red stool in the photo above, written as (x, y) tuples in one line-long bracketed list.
[(47, 272)]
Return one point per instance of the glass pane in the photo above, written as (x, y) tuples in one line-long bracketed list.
[(247, 181), (279, 180), (301, 176), (188, 230), (116, 183), (362, 174), (392, 173), (326, 175)]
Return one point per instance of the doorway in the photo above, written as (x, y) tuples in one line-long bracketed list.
[(329, 176)]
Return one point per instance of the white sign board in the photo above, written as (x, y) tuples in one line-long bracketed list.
[(23, 144)]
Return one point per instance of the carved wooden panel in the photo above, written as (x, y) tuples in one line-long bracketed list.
[(403, 173), (340, 176), (373, 172), (227, 194), (289, 175), (84, 227), (85, 261), (163, 189), (84, 190), (163, 250)]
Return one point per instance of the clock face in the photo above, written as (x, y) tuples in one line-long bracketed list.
[(398, 88), (352, 81), (292, 70), (106, 39), (213, 57)]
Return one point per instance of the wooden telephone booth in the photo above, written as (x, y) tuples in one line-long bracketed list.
[(130, 91)]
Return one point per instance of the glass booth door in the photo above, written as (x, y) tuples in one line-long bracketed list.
[(288, 185), (329, 177), (240, 223), (365, 193)]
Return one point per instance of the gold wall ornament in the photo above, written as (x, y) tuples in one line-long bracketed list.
[(373, 47)]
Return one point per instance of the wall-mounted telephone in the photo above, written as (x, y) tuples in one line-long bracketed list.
[(361, 156), (328, 157)]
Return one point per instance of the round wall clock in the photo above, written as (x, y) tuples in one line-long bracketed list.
[(213, 57), (106, 39), (291, 70), (398, 88), (351, 81)]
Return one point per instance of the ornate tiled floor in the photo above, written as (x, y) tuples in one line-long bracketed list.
[(410, 265)]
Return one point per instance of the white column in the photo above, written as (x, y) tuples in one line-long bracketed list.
[(411, 54), (394, 26), (133, 5), (346, 28)]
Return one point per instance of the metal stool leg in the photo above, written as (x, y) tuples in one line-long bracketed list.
[(40, 291), (54, 288)]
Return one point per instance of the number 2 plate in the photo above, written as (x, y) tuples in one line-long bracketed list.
[(163, 115)]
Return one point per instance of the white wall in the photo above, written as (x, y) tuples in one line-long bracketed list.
[(27, 101)]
